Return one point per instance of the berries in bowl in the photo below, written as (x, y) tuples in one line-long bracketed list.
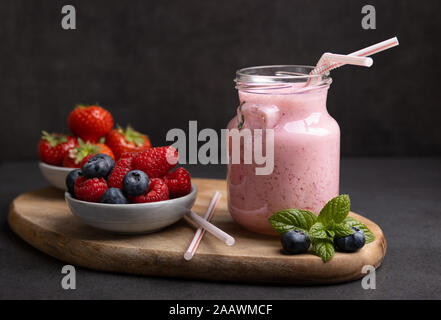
[(58, 160), (136, 194), (52, 149), (92, 133)]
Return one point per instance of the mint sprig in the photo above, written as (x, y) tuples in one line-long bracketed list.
[(332, 222)]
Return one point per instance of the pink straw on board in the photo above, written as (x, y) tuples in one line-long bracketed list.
[(200, 231)]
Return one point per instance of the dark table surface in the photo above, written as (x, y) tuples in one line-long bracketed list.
[(402, 195)]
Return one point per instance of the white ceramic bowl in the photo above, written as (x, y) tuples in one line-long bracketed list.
[(135, 218), (56, 176)]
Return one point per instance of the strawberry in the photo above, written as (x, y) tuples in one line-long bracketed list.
[(122, 167), (126, 140), (78, 156), (178, 182), (70, 161), (156, 162), (90, 189), (90, 123), (157, 191), (52, 148)]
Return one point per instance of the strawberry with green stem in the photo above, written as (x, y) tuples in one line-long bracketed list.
[(127, 139), (79, 155), (53, 147)]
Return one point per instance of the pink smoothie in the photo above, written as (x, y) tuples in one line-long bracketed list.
[(306, 156)]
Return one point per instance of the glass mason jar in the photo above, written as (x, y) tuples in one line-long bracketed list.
[(306, 144)]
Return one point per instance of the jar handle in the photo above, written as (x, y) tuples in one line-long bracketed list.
[(262, 116)]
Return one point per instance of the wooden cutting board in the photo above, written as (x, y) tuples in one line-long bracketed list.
[(43, 219)]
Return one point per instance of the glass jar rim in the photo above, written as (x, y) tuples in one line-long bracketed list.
[(270, 75)]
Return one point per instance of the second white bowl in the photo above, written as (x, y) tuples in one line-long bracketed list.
[(56, 176)]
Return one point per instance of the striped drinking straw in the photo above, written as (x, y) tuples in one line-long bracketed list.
[(200, 231), (323, 66)]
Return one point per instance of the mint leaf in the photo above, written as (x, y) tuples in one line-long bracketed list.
[(351, 222), (331, 233), (324, 248), (318, 231), (292, 219), (342, 230), (331, 225), (336, 210)]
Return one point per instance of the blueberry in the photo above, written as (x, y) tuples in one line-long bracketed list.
[(295, 241), (99, 166), (352, 242), (70, 180), (135, 183), (114, 195)]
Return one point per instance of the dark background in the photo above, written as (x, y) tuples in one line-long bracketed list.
[(158, 64)]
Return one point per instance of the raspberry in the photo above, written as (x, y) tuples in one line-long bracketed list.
[(178, 182), (156, 162), (90, 189), (157, 191), (127, 155), (122, 167)]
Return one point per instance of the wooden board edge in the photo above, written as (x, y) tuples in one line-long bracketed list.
[(74, 255)]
